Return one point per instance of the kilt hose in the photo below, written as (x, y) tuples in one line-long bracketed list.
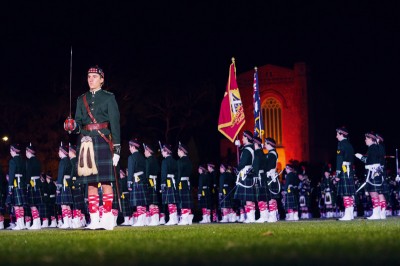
[(138, 195), (246, 193), (291, 201), (103, 159), (185, 196), (346, 187), (64, 197)]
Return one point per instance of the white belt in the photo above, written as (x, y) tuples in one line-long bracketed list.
[(205, 187), (52, 196), (74, 178), (125, 192), (261, 171), (170, 176), (67, 176), (152, 176), (346, 163), (44, 194), (138, 173), (226, 185), (18, 176), (35, 177), (185, 178), (372, 167)]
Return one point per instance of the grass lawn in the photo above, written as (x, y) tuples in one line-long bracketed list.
[(313, 242)]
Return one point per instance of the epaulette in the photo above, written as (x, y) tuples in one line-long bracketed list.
[(108, 92), (81, 95)]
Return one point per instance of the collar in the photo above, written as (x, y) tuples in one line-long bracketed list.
[(94, 91)]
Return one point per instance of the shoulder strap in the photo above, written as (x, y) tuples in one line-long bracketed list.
[(88, 109)]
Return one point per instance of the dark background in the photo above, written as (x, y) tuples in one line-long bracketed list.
[(155, 52)]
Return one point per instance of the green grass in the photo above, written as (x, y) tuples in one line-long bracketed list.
[(314, 242)]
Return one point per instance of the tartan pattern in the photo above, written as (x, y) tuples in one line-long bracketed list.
[(206, 200), (377, 181), (170, 195), (273, 188), (34, 197), (291, 201), (153, 195), (43, 210), (138, 195), (226, 202), (78, 198), (103, 159), (346, 187), (125, 205), (64, 197), (262, 192), (185, 196), (246, 194), (17, 198)]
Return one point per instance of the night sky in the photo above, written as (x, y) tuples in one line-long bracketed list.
[(352, 51)]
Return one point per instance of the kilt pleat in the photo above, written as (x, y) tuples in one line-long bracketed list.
[(17, 198), (246, 193), (125, 204), (65, 197), (34, 197), (291, 201), (185, 196), (170, 196), (261, 189), (205, 200), (138, 195), (345, 186), (226, 201), (78, 198)]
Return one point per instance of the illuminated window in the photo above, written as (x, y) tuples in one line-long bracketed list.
[(272, 115)]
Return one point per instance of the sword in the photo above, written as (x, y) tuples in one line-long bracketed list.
[(363, 185), (274, 178)]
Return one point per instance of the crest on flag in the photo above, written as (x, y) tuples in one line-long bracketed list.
[(231, 115)]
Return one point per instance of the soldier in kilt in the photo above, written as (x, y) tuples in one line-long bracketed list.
[(137, 182), (261, 186), (328, 192), (78, 206), (214, 191), (97, 121), (225, 195), (17, 185), (204, 194), (384, 196), (34, 195), (290, 193), (64, 197), (183, 179), (126, 210), (245, 191), (273, 182), (304, 194), (169, 189), (153, 175), (374, 175), (345, 173)]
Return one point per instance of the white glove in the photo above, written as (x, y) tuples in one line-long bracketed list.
[(237, 142), (115, 159), (358, 155), (397, 178)]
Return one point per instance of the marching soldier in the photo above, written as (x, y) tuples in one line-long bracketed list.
[(137, 183), (328, 192), (64, 195), (168, 184), (345, 173), (274, 185), (34, 199), (374, 179), (225, 198), (214, 191), (245, 182), (153, 175), (304, 187), (259, 165), (204, 195), (17, 185), (385, 194), (290, 192), (97, 122), (184, 172)]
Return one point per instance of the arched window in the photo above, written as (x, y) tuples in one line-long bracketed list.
[(272, 115)]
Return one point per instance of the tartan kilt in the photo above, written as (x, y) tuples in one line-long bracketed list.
[(243, 193), (205, 200), (274, 188), (78, 198), (262, 189), (17, 198), (138, 195), (333, 198), (64, 197), (103, 159), (376, 184), (43, 210), (291, 201), (34, 197), (153, 195), (306, 199), (226, 201), (125, 206), (170, 196), (185, 196), (345, 187)]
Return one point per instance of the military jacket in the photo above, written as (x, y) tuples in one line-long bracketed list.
[(271, 160), (64, 168), (345, 153), (246, 157), (168, 167), (33, 169), (260, 161), (382, 154), (292, 183), (136, 167), (104, 108), (373, 155), (16, 165), (184, 168)]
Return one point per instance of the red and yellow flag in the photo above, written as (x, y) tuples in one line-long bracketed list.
[(231, 114)]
